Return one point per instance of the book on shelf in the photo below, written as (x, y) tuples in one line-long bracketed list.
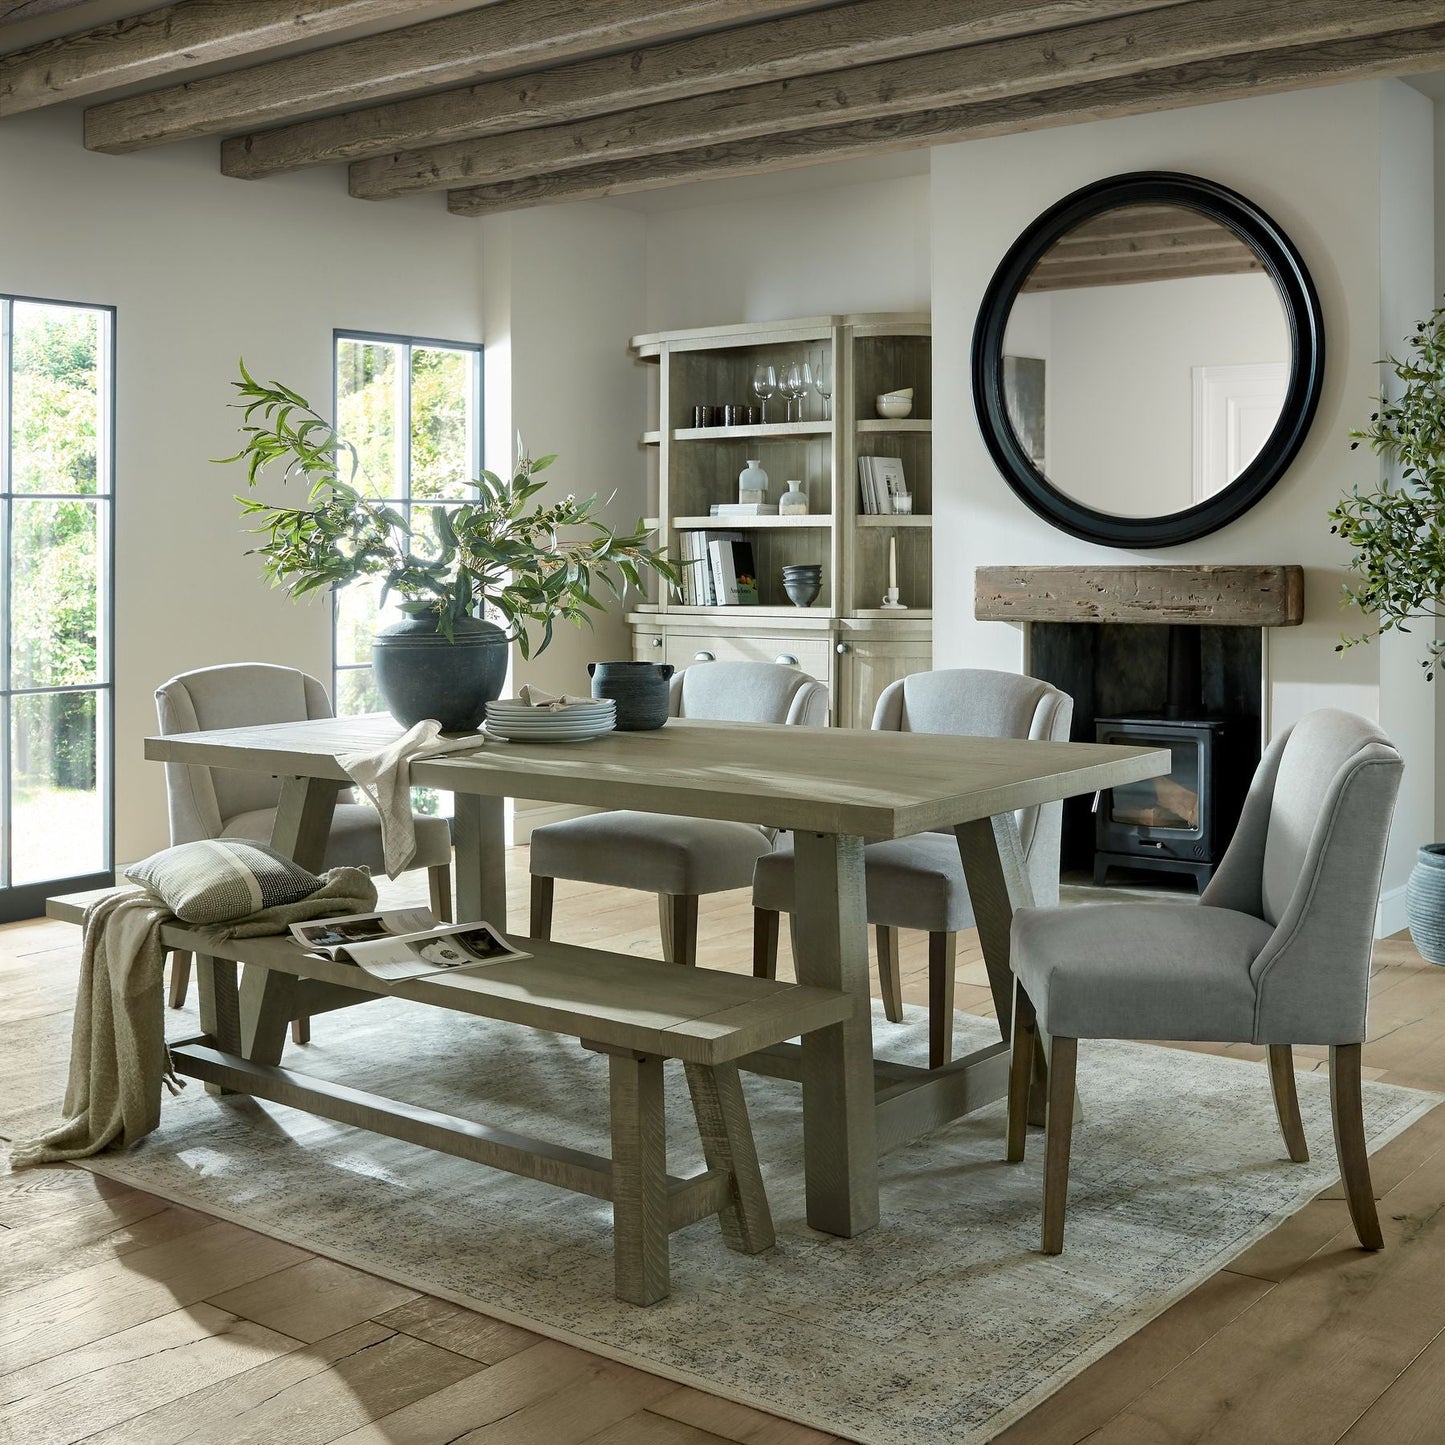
[(734, 573), (405, 943), (743, 509), (699, 588), (880, 479)]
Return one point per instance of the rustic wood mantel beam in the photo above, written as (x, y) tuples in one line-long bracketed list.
[(861, 33), (919, 83), (1170, 87), (189, 33), (487, 39)]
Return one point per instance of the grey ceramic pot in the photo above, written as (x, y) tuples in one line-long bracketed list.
[(421, 675), (638, 688), (802, 591), (1425, 902)]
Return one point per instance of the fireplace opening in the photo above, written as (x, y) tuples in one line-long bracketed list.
[(1194, 691)]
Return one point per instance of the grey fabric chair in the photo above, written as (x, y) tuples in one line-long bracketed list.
[(678, 859), (918, 882), (221, 803), (1276, 951)]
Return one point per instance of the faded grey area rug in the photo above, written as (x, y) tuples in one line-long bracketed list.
[(941, 1325)]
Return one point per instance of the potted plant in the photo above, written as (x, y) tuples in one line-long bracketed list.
[(501, 553), (1397, 529)]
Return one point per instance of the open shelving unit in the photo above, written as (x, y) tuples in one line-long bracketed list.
[(846, 638)]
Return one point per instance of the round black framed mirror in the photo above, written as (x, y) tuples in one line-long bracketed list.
[(1148, 359)]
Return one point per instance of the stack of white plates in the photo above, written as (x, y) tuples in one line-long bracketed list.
[(578, 722)]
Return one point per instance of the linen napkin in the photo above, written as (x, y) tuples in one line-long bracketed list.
[(552, 701), (384, 775)]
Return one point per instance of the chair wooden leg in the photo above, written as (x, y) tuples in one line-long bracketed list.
[(942, 960), (540, 925), (677, 922), (301, 1031), (765, 943), (439, 885), (1020, 1073), (1347, 1108), (1063, 1057), (727, 1143), (180, 977), (890, 983), (1286, 1102)]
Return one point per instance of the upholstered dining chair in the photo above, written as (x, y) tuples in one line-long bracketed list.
[(222, 803), (678, 859), (1276, 951), (918, 882)]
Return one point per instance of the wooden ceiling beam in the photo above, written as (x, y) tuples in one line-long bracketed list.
[(847, 35), (1073, 250), (161, 41), (487, 39), (1169, 87), (1135, 275), (942, 79)]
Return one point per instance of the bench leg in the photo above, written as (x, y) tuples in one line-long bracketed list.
[(268, 999), (220, 1006), (727, 1143), (180, 976), (639, 1178)]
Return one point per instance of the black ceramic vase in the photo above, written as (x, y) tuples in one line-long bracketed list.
[(638, 688), (420, 674)]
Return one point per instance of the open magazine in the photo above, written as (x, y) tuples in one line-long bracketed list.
[(405, 943)]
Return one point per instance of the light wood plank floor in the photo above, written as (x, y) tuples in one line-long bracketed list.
[(127, 1319)]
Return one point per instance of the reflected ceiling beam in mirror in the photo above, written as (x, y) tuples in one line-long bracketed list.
[(861, 33), (1168, 88), (1135, 273)]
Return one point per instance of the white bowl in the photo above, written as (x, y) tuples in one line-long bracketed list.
[(893, 407)]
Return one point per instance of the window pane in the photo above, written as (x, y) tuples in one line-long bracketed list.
[(371, 413), (58, 822), (53, 591), (56, 399), (443, 422), (356, 692), (358, 616)]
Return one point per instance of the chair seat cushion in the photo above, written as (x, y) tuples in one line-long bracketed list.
[(1140, 970), (355, 840), (650, 851), (912, 882)]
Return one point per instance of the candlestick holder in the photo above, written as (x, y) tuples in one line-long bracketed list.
[(891, 602)]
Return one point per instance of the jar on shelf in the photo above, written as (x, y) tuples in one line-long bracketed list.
[(753, 483), (793, 502)]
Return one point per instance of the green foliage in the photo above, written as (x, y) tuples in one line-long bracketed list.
[(1398, 528), (500, 551)]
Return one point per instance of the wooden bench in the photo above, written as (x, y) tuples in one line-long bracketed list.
[(636, 1011)]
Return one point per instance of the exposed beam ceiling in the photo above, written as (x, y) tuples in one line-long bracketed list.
[(775, 50), (146, 46), (915, 85), (1169, 88), (513, 103), (511, 35)]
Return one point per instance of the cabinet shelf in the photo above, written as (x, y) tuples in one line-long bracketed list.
[(891, 614), (901, 424), (651, 439), (770, 431), (758, 611), (730, 524), (894, 519)]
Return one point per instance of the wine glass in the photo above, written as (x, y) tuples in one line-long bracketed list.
[(823, 383), (765, 385), (795, 388)]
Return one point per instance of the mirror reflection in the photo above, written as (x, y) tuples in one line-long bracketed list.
[(1146, 360)]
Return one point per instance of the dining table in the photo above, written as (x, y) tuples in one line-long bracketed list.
[(835, 789)]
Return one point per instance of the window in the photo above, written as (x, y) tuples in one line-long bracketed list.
[(413, 411), (56, 462)]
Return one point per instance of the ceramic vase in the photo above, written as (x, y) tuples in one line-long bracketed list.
[(420, 674), (793, 502), (753, 483), (1425, 902), (638, 688)]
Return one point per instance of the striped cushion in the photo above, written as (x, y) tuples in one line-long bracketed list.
[(216, 880)]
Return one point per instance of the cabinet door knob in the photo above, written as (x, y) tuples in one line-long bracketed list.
[(703, 657), (786, 659), (843, 649), (656, 642)]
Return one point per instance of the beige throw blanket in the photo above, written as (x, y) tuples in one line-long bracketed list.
[(118, 1057)]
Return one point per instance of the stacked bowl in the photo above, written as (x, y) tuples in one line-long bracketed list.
[(573, 722), (802, 582)]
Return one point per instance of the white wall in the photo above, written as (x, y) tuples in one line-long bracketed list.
[(204, 270), (1312, 160)]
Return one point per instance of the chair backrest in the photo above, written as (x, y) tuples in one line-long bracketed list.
[(752, 692), (980, 703), (242, 694), (1307, 857)]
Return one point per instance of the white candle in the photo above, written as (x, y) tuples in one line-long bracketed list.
[(893, 561)]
